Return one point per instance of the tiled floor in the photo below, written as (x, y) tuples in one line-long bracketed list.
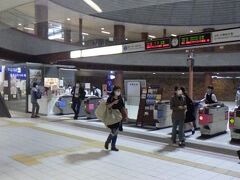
[(45, 150)]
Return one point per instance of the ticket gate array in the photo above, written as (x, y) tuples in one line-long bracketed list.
[(91, 104), (234, 124), (213, 119)]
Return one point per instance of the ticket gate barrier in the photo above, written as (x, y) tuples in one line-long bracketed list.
[(213, 119), (91, 104), (162, 114), (234, 124)]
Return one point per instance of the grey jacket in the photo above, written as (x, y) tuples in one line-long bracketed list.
[(34, 95), (177, 113)]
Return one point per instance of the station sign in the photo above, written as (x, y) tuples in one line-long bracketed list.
[(226, 36), (195, 39), (133, 47), (162, 43)]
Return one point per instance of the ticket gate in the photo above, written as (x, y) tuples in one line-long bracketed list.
[(91, 104), (213, 119), (234, 124), (162, 114)]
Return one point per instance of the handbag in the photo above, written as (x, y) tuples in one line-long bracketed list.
[(101, 110), (112, 116)]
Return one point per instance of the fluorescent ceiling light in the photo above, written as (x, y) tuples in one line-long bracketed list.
[(102, 29), (102, 51), (105, 32), (151, 36), (28, 28), (19, 24), (154, 73), (174, 35), (93, 5), (75, 54), (68, 19), (191, 31), (86, 34)]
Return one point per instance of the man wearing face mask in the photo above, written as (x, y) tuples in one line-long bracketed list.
[(179, 107), (78, 94), (210, 98)]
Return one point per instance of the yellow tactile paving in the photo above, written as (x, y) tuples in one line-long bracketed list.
[(31, 160)]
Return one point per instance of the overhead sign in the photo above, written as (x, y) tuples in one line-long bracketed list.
[(226, 36), (163, 43), (195, 39), (133, 47)]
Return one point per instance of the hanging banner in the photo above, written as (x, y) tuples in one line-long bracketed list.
[(226, 36)]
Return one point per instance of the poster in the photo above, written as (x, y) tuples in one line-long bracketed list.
[(35, 75), (5, 83)]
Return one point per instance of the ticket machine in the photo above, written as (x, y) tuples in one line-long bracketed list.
[(213, 119), (234, 124)]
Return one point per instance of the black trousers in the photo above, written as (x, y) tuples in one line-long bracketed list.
[(76, 108)]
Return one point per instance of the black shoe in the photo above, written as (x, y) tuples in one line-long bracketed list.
[(106, 145), (33, 116), (114, 149), (75, 118), (37, 116), (181, 144), (193, 131), (238, 152)]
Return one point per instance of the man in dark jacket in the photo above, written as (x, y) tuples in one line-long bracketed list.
[(78, 94), (35, 95), (178, 106)]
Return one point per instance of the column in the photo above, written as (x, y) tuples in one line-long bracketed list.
[(80, 32), (164, 32), (207, 79), (118, 81), (67, 32), (119, 34), (144, 36), (41, 15)]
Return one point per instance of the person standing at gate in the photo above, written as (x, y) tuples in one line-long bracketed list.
[(210, 98), (179, 107), (78, 95)]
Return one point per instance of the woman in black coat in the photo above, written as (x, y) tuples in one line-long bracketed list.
[(190, 117)]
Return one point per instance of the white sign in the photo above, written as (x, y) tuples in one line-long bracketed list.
[(226, 36), (5, 83), (134, 47)]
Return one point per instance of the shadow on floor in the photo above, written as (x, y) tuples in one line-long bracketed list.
[(166, 149), (79, 158)]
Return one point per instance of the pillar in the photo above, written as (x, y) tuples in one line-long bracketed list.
[(67, 32), (118, 81), (164, 32), (207, 79), (41, 16), (119, 34), (80, 32), (144, 36)]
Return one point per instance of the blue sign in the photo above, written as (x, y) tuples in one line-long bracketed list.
[(19, 73)]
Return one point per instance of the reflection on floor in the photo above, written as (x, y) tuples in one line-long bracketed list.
[(42, 150)]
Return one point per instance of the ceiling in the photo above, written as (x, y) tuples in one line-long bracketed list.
[(137, 16)]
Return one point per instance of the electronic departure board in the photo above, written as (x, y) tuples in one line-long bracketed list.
[(158, 44), (194, 39)]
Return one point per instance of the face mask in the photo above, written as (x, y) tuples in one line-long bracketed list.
[(209, 91), (117, 93), (36, 86), (179, 92)]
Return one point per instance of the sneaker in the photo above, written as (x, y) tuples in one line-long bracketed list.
[(114, 149)]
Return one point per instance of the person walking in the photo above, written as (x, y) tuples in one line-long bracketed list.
[(114, 101), (35, 95), (78, 94), (190, 117), (179, 107)]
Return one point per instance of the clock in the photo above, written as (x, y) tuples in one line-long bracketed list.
[(174, 42)]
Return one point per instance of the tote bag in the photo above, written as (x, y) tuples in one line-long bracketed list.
[(101, 110), (112, 116)]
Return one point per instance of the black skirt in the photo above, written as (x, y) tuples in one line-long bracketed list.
[(114, 126), (189, 117)]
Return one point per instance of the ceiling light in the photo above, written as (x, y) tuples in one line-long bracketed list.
[(126, 39), (86, 34), (174, 35), (20, 24), (151, 36), (154, 73), (105, 32), (191, 31), (93, 5), (102, 29), (28, 28), (68, 19), (183, 73)]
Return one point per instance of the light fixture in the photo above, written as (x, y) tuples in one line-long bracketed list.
[(105, 32), (28, 28), (102, 29), (183, 73), (154, 73), (75, 54), (174, 35), (191, 31), (85, 34), (68, 19), (19, 24), (151, 36), (93, 5), (126, 39)]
